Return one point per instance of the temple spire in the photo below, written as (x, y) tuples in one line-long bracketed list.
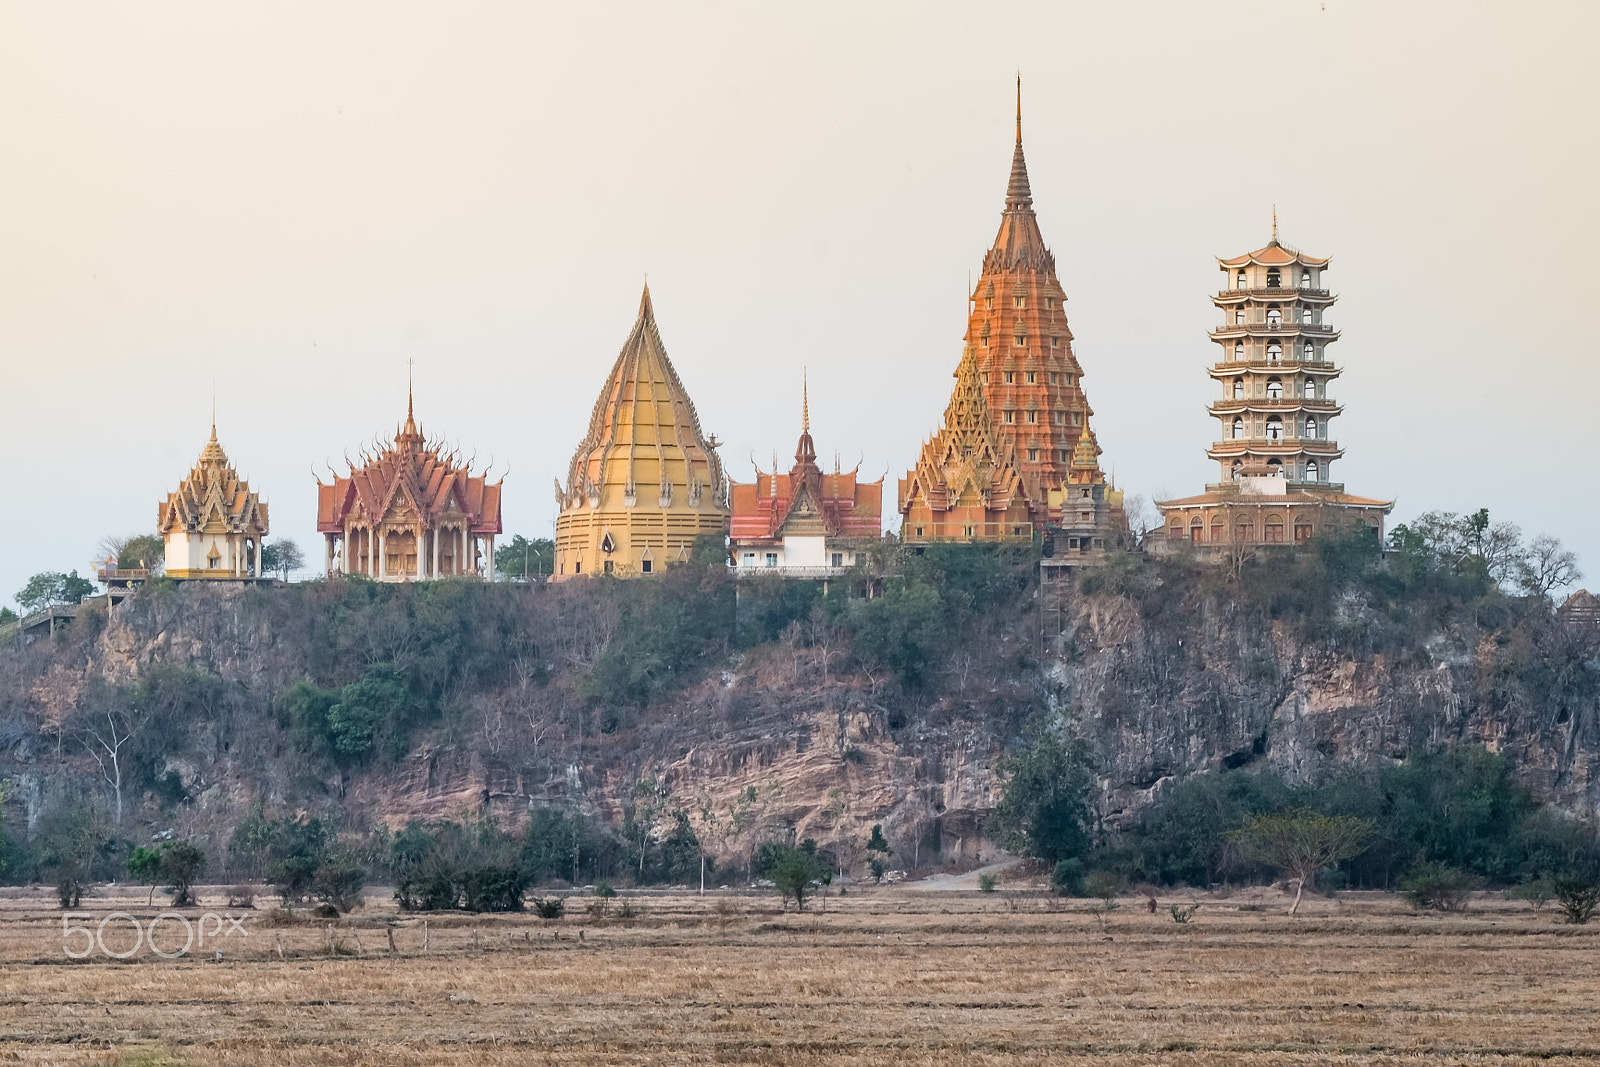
[(1274, 223), (805, 403), (1019, 197)]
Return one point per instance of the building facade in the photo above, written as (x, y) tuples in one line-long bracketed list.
[(804, 524), (413, 512), (645, 483), (1030, 384), (1275, 449), (213, 527)]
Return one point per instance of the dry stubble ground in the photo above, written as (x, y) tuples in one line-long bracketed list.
[(885, 976)]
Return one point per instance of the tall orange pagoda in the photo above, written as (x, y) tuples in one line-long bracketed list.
[(1020, 383), (1275, 449), (804, 524), (410, 513)]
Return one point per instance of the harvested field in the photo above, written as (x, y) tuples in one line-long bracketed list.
[(885, 976)]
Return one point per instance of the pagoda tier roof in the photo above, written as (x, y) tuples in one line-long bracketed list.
[(1273, 254), (412, 475), (1291, 498), (969, 462), (213, 498)]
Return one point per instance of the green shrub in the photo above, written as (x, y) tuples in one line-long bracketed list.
[(549, 908), (1438, 886), (339, 884), (986, 883), (1067, 878), (1578, 898)]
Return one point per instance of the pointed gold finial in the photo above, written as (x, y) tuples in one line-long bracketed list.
[(1019, 107), (1274, 223), (805, 403), (409, 409), (213, 409)]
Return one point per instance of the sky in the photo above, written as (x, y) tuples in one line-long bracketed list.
[(290, 201)]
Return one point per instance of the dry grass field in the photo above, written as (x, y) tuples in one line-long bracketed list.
[(887, 975)]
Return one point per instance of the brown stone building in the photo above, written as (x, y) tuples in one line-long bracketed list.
[(1275, 450), (1020, 384)]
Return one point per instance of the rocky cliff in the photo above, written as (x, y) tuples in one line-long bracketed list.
[(1168, 672)]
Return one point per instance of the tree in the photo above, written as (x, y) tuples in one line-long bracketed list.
[(281, 556), (1044, 808), (640, 815), (1546, 566), (523, 560), (51, 588), (792, 871), (142, 552), (107, 751), (144, 866), (1578, 897), (181, 864), (1303, 843), (7, 615)]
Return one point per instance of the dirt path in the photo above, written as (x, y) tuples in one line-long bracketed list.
[(940, 883)]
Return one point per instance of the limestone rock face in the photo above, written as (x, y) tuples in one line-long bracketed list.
[(1164, 694)]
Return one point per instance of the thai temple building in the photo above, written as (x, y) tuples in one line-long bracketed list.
[(646, 482), (803, 524), (213, 527), (412, 512), (1016, 458), (1276, 449)]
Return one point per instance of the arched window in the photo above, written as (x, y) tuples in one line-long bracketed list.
[(1238, 428), (1312, 471), (1238, 469), (1238, 317), (1275, 468), (1274, 428), (1274, 276), (1308, 352), (1311, 389), (1197, 531), (1305, 279), (1274, 389), (1274, 317), (1274, 351), (1238, 351), (1311, 428), (1238, 388), (1240, 283)]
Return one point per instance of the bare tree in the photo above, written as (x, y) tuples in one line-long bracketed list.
[(1547, 565), (793, 638), (825, 637), (107, 751), (1141, 516)]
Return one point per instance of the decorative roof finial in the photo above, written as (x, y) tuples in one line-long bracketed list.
[(1274, 223), (409, 409), (1018, 196), (1019, 107), (805, 403), (213, 409)]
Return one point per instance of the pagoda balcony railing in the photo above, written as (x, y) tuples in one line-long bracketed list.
[(1276, 293), (1267, 403), (969, 531), (122, 574), (1273, 329), (1322, 367), (1294, 483), (1287, 443)]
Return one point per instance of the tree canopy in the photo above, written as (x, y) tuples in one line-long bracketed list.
[(52, 588)]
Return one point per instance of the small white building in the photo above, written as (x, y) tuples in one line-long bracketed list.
[(214, 527)]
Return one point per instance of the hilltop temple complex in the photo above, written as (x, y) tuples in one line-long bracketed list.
[(1016, 458), (213, 527), (645, 483), (803, 524), (1276, 449), (410, 513)]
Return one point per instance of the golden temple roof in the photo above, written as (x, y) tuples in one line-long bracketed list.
[(644, 440), (213, 498)]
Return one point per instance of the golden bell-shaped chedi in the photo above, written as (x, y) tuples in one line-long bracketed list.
[(645, 482), (213, 526)]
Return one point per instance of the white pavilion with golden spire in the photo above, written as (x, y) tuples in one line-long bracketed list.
[(213, 526)]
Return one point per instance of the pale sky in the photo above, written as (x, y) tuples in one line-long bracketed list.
[(294, 199)]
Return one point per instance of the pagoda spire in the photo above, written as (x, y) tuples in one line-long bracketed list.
[(805, 454), (1019, 196)]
